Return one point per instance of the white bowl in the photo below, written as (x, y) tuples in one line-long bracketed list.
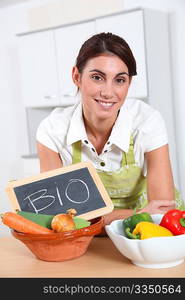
[(157, 252)]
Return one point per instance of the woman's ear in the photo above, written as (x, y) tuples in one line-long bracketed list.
[(76, 76)]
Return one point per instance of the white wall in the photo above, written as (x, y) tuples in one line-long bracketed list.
[(32, 15), (13, 19)]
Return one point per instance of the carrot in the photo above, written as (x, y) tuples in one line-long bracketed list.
[(22, 224)]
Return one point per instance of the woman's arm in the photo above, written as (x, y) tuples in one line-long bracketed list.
[(160, 183), (49, 159)]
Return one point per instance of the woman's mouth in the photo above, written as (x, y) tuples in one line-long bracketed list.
[(104, 103)]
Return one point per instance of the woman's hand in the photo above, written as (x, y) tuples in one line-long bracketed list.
[(158, 206)]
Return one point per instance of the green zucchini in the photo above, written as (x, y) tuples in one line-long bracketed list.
[(45, 220), (41, 219), (81, 223)]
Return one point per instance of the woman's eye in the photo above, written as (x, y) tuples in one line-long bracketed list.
[(96, 77), (121, 80)]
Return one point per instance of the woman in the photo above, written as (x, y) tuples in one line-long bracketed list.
[(125, 139)]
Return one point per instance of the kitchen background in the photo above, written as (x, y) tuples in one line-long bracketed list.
[(34, 60)]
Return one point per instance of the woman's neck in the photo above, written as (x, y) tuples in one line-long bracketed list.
[(98, 127), (98, 131)]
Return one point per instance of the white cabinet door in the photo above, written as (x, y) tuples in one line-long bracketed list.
[(131, 28), (39, 82), (69, 40)]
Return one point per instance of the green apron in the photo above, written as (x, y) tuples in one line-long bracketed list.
[(127, 186)]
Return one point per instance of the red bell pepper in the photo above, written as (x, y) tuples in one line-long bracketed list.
[(174, 220)]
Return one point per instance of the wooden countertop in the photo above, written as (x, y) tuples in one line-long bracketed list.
[(102, 260)]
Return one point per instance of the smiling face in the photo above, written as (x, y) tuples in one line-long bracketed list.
[(103, 84)]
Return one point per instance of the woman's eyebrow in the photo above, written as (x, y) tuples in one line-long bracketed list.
[(98, 71), (122, 73)]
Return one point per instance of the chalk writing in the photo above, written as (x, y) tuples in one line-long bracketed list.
[(56, 194), (39, 195), (77, 181), (42, 194)]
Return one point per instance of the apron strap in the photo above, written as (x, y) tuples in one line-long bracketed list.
[(128, 158), (76, 154)]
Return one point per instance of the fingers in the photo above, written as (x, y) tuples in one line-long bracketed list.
[(159, 206), (164, 203), (166, 208)]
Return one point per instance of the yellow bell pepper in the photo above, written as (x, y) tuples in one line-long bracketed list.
[(146, 230)]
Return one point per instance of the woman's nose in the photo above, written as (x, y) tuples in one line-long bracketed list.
[(106, 91)]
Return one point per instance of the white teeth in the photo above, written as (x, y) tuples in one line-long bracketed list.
[(106, 104)]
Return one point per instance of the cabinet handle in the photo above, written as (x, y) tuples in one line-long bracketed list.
[(69, 95), (49, 97)]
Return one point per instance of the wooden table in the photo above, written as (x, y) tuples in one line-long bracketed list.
[(102, 260)]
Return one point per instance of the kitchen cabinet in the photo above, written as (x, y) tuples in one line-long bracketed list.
[(38, 69), (46, 61)]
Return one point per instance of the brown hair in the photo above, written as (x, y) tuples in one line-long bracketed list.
[(106, 43)]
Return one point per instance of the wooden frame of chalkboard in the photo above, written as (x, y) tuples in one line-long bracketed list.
[(76, 186)]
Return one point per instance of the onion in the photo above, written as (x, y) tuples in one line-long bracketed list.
[(64, 222)]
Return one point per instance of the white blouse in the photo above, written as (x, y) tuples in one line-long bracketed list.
[(64, 126)]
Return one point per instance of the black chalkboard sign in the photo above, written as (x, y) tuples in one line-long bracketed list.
[(77, 186)]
